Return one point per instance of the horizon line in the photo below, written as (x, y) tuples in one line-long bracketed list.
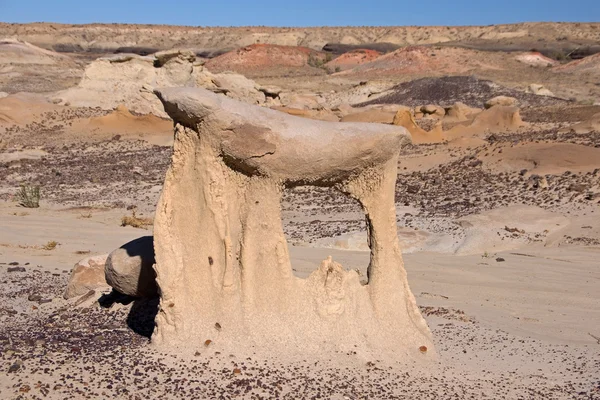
[(297, 27)]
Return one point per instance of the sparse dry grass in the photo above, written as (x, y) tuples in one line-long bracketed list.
[(136, 221), (51, 245)]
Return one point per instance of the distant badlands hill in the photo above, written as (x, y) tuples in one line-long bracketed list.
[(253, 59), (110, 38)]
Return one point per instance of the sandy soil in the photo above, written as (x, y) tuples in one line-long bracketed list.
[(510, 324)]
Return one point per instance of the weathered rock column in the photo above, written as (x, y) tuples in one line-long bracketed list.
[(222, 261)]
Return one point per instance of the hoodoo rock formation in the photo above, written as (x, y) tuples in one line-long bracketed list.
[(222, 261), (129, 80)]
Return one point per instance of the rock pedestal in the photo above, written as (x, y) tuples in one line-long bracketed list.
[(222, 261)]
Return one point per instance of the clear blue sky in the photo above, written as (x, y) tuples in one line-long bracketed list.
[(300, 12)]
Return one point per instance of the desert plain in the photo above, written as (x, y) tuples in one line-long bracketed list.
[(497, 201)]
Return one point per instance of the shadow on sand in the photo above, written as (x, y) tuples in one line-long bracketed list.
[(142, 313)]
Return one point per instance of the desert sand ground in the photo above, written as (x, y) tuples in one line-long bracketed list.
[(498, 210)]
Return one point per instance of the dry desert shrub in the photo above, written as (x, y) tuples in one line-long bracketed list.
[(29, 196), (135, 221), (51, 245)]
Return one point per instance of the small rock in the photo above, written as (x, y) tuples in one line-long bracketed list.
[(15, 367), (85, 297), (577, 187), (87, 274), (502, 101), (163, 57), (129, 269), (34, 297), (271, 91), (432, 109), (16, 269), (513, 230), (9, 311), (540, 90), (500, 259), (461, 112), (412, 189)]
